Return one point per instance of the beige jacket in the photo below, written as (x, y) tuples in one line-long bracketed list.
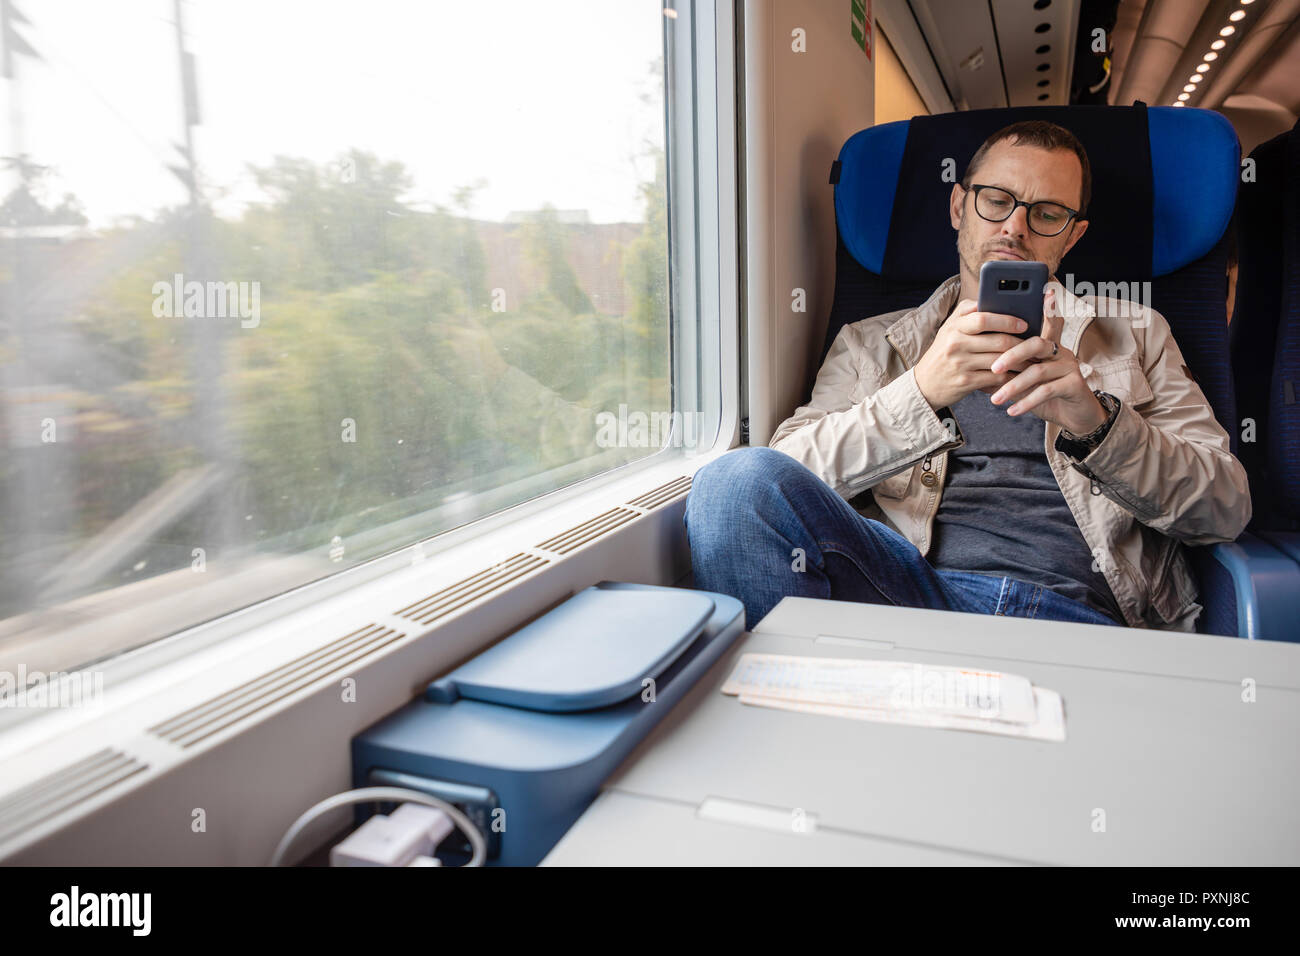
[(1162, 477)]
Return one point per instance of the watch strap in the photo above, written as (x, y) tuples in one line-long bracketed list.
[(1079, 447)]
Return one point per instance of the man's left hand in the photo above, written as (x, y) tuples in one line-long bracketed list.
[(1049, 385)]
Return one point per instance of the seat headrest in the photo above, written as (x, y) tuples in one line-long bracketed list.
[(1164, 184)]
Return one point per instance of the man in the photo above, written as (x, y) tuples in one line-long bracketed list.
[(945, 463)]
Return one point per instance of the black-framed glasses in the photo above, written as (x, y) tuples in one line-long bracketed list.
[(1048, 219)]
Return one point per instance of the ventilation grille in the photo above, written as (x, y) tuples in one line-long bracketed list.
[(663, 494), (455, 596), (64, 789), (199, 723), (589, 530)]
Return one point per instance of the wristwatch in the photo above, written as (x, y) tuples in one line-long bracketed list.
[(1079, 447)]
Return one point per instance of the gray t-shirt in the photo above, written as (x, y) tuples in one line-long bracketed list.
[(1002, 512)]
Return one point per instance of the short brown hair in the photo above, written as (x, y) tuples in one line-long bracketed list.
[(1044, 135)]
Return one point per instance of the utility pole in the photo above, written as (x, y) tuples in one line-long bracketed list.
[(208, 333)]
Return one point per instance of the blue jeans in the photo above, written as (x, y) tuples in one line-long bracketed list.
[(763, 527)]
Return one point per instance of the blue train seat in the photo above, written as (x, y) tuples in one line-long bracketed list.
[(1164, 191)]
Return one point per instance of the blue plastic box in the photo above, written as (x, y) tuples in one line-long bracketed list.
[(522, 736)]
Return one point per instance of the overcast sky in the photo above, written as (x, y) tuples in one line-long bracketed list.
[(543, 101)]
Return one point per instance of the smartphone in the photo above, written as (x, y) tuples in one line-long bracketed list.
[(1014, 288)]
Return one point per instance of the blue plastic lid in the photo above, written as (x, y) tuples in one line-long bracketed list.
[(592, 651)]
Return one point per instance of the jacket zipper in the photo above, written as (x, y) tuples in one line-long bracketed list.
[(1095, 487), (862, 483), (936, 494)]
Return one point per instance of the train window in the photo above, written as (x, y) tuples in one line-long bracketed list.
[(290, 286)]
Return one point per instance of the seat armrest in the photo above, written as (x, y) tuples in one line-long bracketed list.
[(1249, 589)]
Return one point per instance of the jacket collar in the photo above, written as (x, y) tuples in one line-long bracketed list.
[(912, 334)]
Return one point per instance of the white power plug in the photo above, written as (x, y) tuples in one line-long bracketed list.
[(403, 838)]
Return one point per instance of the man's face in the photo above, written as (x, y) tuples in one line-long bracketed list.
[(1030, 174)]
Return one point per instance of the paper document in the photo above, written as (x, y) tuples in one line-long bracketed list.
[(924, 695)]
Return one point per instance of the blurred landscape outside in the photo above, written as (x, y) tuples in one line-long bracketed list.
[(251, 383)]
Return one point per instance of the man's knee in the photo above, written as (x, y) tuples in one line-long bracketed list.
[(747, 468), (745, 477)]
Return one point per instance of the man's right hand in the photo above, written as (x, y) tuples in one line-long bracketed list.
[(958, 360)]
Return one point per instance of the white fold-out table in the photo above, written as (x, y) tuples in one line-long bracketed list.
[(1180, 749)]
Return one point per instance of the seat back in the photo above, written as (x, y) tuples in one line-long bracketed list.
[(1256, 313), (1283, 437)]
